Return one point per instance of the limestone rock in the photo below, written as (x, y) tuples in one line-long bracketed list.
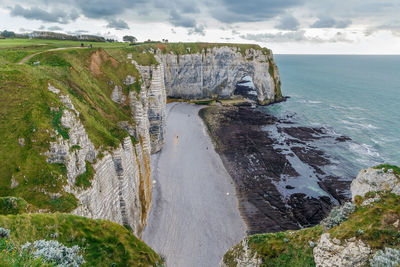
[(217, 71), (116, 188), (331, 253), (372, 180), (153, 103), (244, 256), (61, 151), (21, 141), (117, 95), (53, 89), (129, 80)]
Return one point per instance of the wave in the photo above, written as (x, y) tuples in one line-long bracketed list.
[(309, 101), (361, 125), (363, 149)]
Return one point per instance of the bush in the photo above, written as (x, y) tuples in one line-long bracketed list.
[(338, 215), (55, 252), (4, 232), (389, 258), (12, 205)]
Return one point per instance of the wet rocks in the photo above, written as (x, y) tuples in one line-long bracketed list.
[(274, 193)]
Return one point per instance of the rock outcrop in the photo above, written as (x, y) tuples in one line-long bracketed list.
[(373, 180), (332, 253), (216, 72), (242, 256), (117, 187)]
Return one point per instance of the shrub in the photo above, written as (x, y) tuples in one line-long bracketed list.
[(55, 252), (12, 205), (4, 232), (389, 258), (338, 215)]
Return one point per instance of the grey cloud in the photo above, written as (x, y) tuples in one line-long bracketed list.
[(106, 8), (117, 24), (231, 11), (393, 27), (197, 30), (298, 36), (54, 28), (55, 15), (288, 22), (181, 20), (328, 22)]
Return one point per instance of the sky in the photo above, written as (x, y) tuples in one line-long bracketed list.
[(285, 26)]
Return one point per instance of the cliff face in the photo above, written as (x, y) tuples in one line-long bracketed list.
[(216, 72)]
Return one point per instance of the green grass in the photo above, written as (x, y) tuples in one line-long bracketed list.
[(103, 243), (12, 205), (376, 221), (14, 50), (13, 256), (84, 179), (289, 248), (57, 123), (386, 167)]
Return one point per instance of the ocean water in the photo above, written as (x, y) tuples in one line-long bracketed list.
[(355, 96)]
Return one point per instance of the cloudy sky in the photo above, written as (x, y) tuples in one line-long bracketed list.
[(286, 26)]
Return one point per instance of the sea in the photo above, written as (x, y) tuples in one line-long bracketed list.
[(351, 95)]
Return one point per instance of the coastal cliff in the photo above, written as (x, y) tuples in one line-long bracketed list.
[(93, 117), (216, 71)]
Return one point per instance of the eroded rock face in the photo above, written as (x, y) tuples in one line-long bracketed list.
[(373, 180), (116, 188), (153, 96), (334, 253), (120, 190), (216, 71), (75, 151)]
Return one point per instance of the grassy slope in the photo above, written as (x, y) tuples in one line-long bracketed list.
[(104, 243), (25, 113), (13, 50), (376, 221)]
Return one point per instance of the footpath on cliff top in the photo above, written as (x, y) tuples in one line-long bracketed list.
[(195, 216)]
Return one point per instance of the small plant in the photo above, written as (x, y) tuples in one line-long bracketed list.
[(55, 252), (389, 258), (338, 215), (4, 232)]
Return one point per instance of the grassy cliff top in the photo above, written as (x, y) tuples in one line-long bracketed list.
[(103, 243), (14, 50)]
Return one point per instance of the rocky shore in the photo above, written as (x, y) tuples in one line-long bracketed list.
[(280, 175)]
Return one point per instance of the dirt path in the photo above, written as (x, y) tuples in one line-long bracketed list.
[(25, 59), (195, 216)]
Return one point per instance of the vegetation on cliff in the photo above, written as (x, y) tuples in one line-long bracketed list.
[(31, 113), (376, 223), (102, 243)]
